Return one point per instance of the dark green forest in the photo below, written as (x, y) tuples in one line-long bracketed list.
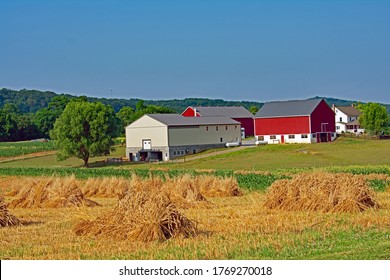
[(30, 114)]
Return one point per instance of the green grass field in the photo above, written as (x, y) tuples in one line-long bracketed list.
[(343, 152)]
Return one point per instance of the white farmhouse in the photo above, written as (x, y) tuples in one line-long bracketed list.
[(347, 119), (168, 136)]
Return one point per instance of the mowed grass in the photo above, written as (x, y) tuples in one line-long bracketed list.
[(233, 228), (52, 161), (342, 152)]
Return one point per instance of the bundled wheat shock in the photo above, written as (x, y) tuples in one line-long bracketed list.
[(53, 192), (321, 191), (7, 219)]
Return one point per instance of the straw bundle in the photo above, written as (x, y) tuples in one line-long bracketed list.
[(321, 192), (144, 214), (213, 186), (51, 193), (6, 219)]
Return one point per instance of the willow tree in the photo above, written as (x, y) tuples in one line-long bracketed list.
[(84, 130)]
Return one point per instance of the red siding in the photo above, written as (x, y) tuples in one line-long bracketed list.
[(248, 124), (323, 119), (189, 112), (284, 125)]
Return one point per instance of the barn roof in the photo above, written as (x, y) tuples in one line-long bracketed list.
[(179, 120), (224, 111), (349, 111), (288, 108)]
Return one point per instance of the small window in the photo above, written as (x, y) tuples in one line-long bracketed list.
[(273, 137), (221, 139), (216, 127), (226, 127), (337, 127), (314, 135), (341, 119), (291, 137), (303, 135), (260, 138), (207, 128), (174, 153), (235, 127)]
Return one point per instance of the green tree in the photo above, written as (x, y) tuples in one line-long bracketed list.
[(84, 130), (253, 109), (125, 115), (374, 118), (46, 117), (8, 123)]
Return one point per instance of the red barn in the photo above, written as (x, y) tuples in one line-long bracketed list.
[(237, 113), (297, 121)]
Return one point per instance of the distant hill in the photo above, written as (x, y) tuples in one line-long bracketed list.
[(30, 101)]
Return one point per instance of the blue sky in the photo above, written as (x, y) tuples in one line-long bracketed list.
[(234, 50)]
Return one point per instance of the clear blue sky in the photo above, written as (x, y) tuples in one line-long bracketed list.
[(235, 50)]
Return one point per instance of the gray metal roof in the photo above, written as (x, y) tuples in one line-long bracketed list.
[(350, 111), (224, 111), (178, 120), (288, 108)]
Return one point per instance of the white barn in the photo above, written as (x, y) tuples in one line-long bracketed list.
[(168, 136)]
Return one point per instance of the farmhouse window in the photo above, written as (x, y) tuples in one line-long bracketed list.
[(216, 127), (341, 119), (174, 153), (337, 127), (304, 136), (291, 137), (273, 137)]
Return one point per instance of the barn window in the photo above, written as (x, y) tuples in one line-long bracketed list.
[(314, 135), (273, 137), (291, 137), (174, 153), (216, 127), (260, 138), (303, 135), (235, 127), (221, 139), (226, 127)]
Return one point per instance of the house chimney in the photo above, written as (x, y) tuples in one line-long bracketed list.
[(194, 112), (333, 107)]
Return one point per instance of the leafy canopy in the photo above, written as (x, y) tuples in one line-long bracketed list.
[(84, 130), (374, 118)]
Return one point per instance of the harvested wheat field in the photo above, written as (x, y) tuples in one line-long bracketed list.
[(172, 218), (321, 191)]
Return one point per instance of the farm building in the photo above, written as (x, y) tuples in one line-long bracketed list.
[(238, 113), (297, 121), (347, 119), (168, 136)]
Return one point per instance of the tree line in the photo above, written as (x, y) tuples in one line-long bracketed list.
[(18, 126)]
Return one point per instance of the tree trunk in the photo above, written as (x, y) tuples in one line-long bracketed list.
[(86, 162)]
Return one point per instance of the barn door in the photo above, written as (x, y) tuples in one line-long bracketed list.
[(147, 144), (282, 138)]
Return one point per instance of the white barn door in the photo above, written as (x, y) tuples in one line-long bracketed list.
[(147, 144)]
